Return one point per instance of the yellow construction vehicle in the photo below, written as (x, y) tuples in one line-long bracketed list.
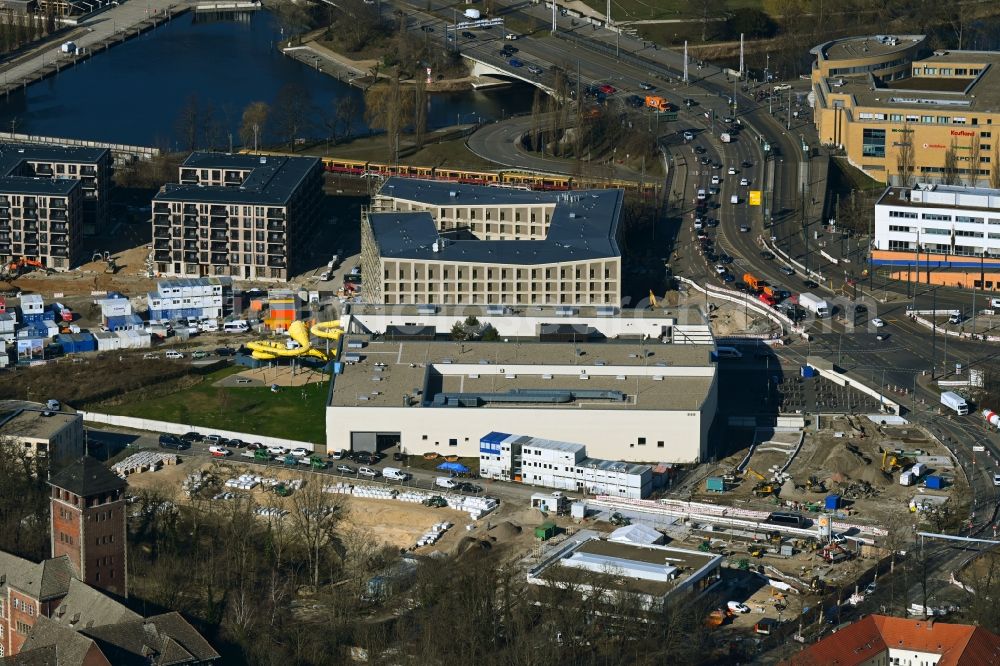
[(892, 462), (765, 489), (752, 472), (814, 485), (652, 300)]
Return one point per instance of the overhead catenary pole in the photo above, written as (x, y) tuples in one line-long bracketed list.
[(553, 17)]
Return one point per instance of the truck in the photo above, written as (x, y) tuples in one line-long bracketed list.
[(814, 304), (473, 14), (954, 401), (725, 137), (752, 282)]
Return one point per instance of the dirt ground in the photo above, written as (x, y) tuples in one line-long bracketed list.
[(395, 523), (280, 375), (870, 495)]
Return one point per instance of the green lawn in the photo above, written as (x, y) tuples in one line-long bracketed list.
[(296, 413), (644, 10)]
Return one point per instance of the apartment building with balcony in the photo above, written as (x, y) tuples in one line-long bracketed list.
[(90, 166), (243, 216), (41, 220), (448, 243)]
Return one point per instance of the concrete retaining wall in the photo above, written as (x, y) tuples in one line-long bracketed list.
[(750, 303), (166, 427)]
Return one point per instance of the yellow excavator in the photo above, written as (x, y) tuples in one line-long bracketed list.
[(267, 350), (764, 487), (892, 462)]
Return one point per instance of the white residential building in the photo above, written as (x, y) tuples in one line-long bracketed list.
[(561, 465)]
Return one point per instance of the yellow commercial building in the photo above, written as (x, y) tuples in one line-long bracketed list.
[(903, 113)]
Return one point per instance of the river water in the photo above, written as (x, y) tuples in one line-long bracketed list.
[(135, 92)]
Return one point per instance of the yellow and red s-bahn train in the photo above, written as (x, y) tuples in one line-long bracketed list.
[(502, 178)]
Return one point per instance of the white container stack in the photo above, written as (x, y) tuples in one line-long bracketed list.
[(270, 511), (374, 492), (411, 496), (476, 507), (244, 482), (432, 535), (339, 488)]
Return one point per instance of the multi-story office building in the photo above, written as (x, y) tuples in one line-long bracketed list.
[(90, 166), (903, 113), (437, 242), (942, 234), (562, 465), (41, 221), (244, 216)]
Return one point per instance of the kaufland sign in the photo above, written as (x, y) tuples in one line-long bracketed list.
[(962, 133)]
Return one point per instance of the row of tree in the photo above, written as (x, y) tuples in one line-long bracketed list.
[(17, 29)]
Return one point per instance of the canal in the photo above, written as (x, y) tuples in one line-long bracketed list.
[(140, 92)]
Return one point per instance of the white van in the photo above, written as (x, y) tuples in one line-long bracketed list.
[(728, 352), (995, 302), (395, 474), (237, 326), (735, 199), (444, 482), (208, 325)]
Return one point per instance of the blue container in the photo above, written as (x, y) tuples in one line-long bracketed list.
[(934, 482), (49, 314), (67, 343), (832, 502), (807, 371)]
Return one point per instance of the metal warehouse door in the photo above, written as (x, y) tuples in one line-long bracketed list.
[(364, 441)]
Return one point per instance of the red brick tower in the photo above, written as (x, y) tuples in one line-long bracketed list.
[(88, 523)]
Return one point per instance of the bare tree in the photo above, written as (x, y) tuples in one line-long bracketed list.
[(419, 108), (386, 107), (314, 515), (995, 166), (904, 157), (293, 110), (253, 122), (189, 122), (537, 140), (347, 109), (950, 174), (975, 152)]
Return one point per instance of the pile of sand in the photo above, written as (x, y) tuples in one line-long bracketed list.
[(470, 545), (505, 530)]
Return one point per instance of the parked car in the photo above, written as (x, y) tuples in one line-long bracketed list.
[(346, 469), (192, 436), (737, 607), (338, 455), (213, 439), (173, 442), (399, 457), (199, 354), (369, 472), (237, 443), (225, 351), (219, 451), (300, 452), (277, 450)]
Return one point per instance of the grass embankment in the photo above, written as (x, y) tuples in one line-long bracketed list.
[(293, 412)]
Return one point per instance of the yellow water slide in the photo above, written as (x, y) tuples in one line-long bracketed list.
[(267, 350), (330, 330)]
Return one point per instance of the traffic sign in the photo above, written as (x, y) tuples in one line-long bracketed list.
[(754, 197)]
